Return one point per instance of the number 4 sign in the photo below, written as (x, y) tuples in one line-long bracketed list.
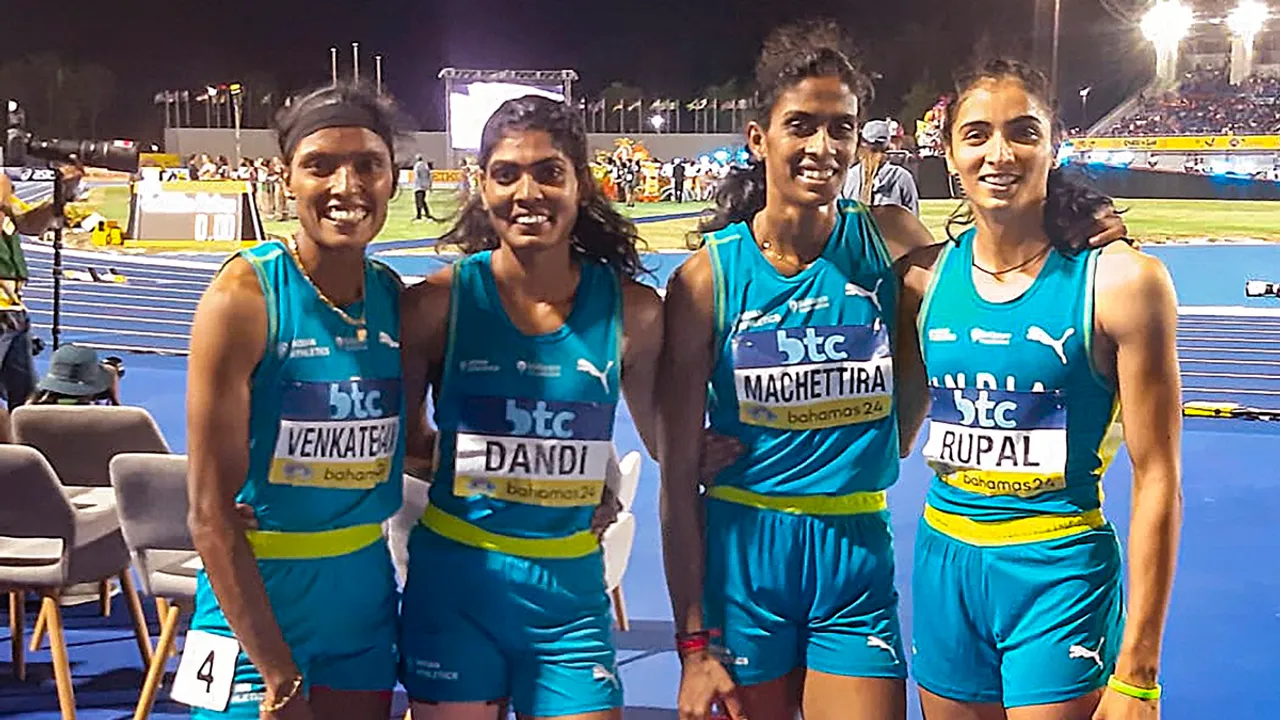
[(206, 671)]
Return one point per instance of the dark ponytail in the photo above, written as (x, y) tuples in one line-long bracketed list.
[(738, 197), (791, 54), (1071, 205), (1071, 208)]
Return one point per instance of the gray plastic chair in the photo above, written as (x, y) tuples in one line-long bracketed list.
[(151, 501), (48, 542), (80, 440)]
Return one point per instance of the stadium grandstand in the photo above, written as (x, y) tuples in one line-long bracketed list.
[(1212, 107), (1217, 72)]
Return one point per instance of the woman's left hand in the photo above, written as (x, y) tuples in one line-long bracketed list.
[(1108, 227), (606, 512), (1116, 706)]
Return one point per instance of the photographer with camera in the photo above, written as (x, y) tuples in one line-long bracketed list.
[(17, 346), (77, 377)]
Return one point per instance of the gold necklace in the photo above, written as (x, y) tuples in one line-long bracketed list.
[(359, 322), (767, 248)]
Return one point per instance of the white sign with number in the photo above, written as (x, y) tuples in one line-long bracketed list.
[(206, 671)]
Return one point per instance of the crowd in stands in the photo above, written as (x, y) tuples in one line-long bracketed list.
[(266, 174), (1206, 103)]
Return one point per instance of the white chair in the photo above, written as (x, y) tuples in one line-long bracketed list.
[(398, 526), (629, 467), (151, 500), (620, 537)]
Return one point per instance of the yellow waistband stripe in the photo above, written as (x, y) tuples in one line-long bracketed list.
[(276, 545), (442, 523), (1012, 532), (858, 503)]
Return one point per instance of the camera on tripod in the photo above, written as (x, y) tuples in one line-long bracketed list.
[(21, 145)]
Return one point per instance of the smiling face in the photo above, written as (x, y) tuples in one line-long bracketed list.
[(530, 191), (1001, 145), (810, 141), (342, 179)]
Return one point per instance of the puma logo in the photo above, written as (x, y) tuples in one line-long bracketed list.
[(851, 289), (1035, 333), (1082, 652), (589, 368), (600, 672), (875, 642)]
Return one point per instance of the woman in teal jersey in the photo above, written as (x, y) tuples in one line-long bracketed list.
[(785, 599), (1033, 346), (293, 406), (782, 582), (525, 345)]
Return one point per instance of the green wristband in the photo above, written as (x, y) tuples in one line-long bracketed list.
[(1133, 691)]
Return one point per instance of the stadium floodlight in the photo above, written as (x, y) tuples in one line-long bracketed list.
[(1247, 19), (1167, 23)]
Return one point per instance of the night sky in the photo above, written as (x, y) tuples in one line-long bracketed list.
[(670, 47)]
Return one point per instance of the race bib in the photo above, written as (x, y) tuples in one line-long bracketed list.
[(813, 377), (339, 435), (998, 442), (206, 671), (535, 452)]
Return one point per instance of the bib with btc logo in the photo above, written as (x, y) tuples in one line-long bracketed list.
[(998, 442), (337, 434), (535, 452), (813, 377)]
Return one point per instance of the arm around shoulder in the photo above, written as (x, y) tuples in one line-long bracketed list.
[(688, 359), (902, 231), (642, 327), (914, 271), (424, 332)]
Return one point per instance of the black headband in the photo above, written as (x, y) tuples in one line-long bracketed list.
[(337, 114)]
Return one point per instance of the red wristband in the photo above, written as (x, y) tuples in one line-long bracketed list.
[(688, 643)]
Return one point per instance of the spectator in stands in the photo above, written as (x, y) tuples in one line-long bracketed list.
[(208, 170), (281, 189), (1205, 103), (875, 181), (77, 377)]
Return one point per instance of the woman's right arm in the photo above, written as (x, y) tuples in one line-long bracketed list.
[(914, 271), (424, 326), (228, 338), (688, 358), (685, 368)]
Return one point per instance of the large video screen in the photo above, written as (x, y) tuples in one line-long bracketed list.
[(471, 104)]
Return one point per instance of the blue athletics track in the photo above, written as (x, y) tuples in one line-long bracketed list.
[(1222, 651)]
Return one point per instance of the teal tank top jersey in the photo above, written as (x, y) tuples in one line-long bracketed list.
[(804, 371), (1021, 424), (325, 430), (525, 422)]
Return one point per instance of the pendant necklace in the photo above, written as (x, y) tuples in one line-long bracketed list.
[(997, 274), (357, 322)]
